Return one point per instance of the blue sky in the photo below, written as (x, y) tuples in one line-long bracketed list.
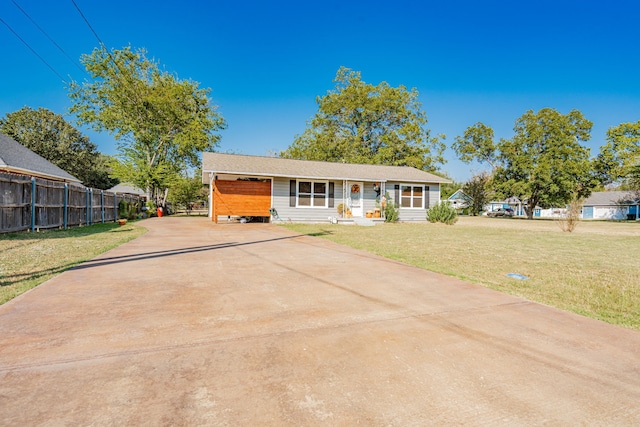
[(267, 61)]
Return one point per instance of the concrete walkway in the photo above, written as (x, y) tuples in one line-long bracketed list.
[(237, 325)]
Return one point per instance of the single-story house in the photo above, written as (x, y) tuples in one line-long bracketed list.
[(611, 205), (312, 191), (513, 202), (18, 159), (459, 200)]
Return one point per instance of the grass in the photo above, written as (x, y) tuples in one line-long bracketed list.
[(593, 271), (28, 259)]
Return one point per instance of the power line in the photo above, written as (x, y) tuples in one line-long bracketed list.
[(47, 35), (33, 51), (89, 25)]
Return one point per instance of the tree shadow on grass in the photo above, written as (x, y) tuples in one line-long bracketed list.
[(319, 233), (83, 231), (98, 262)]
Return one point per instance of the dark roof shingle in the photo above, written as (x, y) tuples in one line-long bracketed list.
[(611, 198), (17, 158)]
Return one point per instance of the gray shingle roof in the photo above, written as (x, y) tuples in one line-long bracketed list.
[(126, 188), (19, 159), (238, 164), (610, 198)]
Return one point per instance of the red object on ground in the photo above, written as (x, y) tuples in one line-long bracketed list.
[(160, 212)]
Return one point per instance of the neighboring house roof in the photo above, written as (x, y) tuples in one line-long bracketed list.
[(611, 198), (236, 164), (17, 158), (460, 195), (126, 188)]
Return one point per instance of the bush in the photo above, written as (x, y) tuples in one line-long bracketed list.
[(123, 209), (152, 209), (569, 219), (442, 212), (391, 212)]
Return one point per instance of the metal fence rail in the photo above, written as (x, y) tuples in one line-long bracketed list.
[(28, 203)]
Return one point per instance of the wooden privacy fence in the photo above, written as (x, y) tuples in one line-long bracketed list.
[(28, 203)]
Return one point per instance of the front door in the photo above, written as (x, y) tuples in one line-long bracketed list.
[(356, 190)]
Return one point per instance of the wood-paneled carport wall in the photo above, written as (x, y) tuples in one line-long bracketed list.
[(241, 198)]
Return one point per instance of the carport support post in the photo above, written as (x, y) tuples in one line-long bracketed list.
[(212, 208)]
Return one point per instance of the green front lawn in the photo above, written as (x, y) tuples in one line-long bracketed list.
[(28, 259), (594, 271)]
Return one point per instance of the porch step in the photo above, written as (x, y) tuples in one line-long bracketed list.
[(365, 222)]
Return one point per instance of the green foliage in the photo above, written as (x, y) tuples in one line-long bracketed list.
[(391, 211), (184, 192), (358, 122), (124, 208), (619, 159), (49, 135), (442, 212), (479, 189), (161, 123), (544, 163), (152, 208), (476, 144), (447, 189)]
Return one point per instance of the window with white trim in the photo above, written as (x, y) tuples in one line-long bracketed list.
[(412, 196), (313, 194)]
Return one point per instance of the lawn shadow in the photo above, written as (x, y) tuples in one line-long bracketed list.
[(54, 233), (320, 233)]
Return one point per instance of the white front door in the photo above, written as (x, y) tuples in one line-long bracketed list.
[(355, 191)]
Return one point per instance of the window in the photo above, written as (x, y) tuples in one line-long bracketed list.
[(312, 194), (412, 196)]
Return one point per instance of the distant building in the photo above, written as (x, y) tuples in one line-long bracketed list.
[(460, 200), (513, 202), (127, 188), (18, 159), (611, 205)]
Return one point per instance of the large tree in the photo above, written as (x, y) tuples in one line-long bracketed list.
[(161, 123), (479, 189), (358, 122), (52, 137), (543, 163), (476, 144), (619, 159)]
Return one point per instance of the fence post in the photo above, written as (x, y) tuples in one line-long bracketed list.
[(91, 206), (65, 212), (102, 204), (86, 205), (33, 204), (116, 214)]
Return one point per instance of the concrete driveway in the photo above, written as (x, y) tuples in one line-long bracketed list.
[(238, 325)]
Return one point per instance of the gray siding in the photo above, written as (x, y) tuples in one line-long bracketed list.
[(433, 198), (280, 201), (287, 213)]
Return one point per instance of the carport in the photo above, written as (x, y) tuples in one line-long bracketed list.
[(240, 198)]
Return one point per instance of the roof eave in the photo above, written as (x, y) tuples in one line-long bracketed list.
[(335, 178), (40, 174)]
